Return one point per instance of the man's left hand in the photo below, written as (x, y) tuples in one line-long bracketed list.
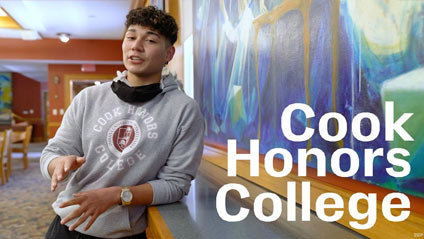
[(92, 204)]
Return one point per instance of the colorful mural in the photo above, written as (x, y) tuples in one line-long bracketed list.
[(5, 98), (253, 58)]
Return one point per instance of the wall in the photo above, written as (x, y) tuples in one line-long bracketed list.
[(26, 96), (57, 91), (53, 49)]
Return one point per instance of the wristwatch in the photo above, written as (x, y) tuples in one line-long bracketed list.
[(126, 196)]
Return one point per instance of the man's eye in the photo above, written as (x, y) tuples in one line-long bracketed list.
[(130, 38), (150, 41)]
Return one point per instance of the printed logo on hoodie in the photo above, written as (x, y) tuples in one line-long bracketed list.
[(123, 136)]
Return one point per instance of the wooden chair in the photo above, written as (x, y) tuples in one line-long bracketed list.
[(6, 156), (26, 137)]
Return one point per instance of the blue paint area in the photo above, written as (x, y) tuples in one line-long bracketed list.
[(242, 93)]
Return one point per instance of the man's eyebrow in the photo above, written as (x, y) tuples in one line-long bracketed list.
[(148, 32), (153, 33)]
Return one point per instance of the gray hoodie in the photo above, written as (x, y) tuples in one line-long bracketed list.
[(159, 142)]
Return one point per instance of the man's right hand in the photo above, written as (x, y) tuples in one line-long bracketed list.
[(60, 167)]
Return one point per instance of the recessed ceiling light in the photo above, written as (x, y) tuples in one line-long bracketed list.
[(64, 37)]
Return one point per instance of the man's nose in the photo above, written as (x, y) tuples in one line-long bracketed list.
[(137, 45)]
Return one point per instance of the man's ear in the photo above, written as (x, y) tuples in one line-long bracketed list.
[(170, 53)]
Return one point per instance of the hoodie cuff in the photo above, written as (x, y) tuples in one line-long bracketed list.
[(45, 166)]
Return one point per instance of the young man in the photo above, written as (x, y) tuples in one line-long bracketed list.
[(126, 144)]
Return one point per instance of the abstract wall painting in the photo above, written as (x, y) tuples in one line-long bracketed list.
[(254, 58), (6, 98)]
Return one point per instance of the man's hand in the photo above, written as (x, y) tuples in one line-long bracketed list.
[(60, 167), (92, 204)]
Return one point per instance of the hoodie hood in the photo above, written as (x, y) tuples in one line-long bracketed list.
[(168, 81)]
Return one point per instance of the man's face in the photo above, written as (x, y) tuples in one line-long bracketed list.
[(145, 51)]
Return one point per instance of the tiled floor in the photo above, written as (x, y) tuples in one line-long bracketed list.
[(25, 201)]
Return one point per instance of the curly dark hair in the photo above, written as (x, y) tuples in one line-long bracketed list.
[(156, 20)]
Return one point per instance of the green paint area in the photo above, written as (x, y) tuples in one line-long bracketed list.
[(407, 93)]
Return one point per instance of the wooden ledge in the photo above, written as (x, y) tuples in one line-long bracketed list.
[(156, 225)]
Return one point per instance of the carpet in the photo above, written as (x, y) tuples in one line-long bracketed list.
[(25, 200)]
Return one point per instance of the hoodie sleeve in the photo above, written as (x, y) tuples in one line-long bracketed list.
[(173, 180), (67, 140)]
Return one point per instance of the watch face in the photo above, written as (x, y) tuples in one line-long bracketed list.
[(127, 196)]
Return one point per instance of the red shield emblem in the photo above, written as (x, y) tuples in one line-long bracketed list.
[(123, 136)]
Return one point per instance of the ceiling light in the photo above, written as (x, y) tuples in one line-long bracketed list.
[(64, 37)]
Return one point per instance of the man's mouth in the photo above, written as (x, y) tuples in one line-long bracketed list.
[(135, 59)]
